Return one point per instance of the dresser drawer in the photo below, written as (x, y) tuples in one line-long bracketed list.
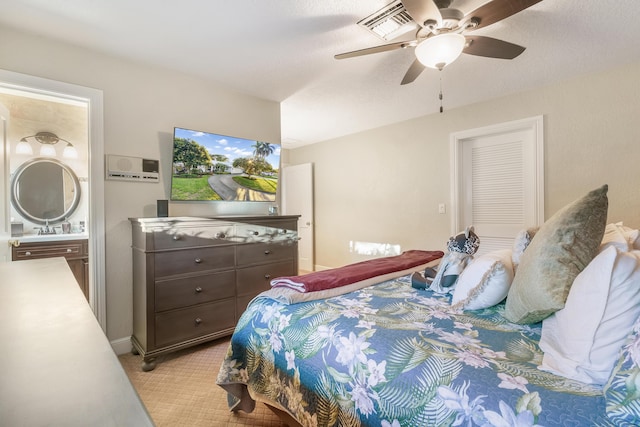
[(67, 249), (253, 280), (181, 325), (187, 291), (193, 260), (189, 237), (256, 253)]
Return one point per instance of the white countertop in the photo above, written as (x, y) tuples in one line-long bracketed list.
[(58, 368), (50, 237)]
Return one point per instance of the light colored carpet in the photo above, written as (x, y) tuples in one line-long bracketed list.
[(182, 390)]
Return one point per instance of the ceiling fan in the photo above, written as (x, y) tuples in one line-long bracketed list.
[(442, 35)]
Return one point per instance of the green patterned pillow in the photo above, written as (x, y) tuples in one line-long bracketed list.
[(561, 249), (622, 392)]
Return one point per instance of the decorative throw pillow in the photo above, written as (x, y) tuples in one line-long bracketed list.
[(582, 340), (485, 282), (562, 248), (621, 391), (521, 242)]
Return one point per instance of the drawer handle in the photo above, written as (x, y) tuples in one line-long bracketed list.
[(176, 237), (267, 252), (198, 260), (267, 276), (198, 320), (69, 250), (220, 235), (198, 289), (27, 253), (255, 233)]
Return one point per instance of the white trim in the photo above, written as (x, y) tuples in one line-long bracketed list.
[(94, 98), (534, 124), (121, 345)]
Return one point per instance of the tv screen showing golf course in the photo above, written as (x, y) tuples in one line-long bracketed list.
[(208, 166)]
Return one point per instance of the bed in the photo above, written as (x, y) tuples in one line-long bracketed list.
[(388, 354)]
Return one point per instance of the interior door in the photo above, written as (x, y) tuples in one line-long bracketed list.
[(297, 199), (5, 230), (500, 190)]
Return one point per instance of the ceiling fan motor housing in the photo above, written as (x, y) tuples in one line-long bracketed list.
[(451, 18)]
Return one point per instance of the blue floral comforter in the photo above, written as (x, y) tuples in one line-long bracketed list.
[(390, 355)]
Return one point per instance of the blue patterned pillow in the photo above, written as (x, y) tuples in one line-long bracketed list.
[(622, 392)]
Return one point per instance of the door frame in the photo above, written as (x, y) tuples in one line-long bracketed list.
[(457, 139), (306, 224), (94, 99), (5, 215)]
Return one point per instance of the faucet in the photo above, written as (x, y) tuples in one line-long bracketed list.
[(46, 229)]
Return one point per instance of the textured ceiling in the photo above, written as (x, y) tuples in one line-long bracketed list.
[(282, 50)]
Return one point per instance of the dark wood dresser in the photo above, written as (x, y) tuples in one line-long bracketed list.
[(193, 277), (74, 251)]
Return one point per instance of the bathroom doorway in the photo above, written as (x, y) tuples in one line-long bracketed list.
[(63, 124)]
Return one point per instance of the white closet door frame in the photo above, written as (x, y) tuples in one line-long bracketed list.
[(534, 177)]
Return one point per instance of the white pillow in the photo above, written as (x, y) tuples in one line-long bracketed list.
[(617, 235), (520, 244), (632, 236), (484, 282), (582, 340)]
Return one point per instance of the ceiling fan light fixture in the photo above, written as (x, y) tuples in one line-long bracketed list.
[(441, 50)]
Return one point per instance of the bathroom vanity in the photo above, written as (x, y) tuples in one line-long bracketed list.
[(45, 193), (74, 248)]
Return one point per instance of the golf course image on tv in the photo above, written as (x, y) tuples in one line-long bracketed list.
[(209, 166)]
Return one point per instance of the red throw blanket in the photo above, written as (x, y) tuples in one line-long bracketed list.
[(352, 273)]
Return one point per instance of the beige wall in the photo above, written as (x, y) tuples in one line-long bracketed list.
[(380, 186), (384, 185), (141, 107)]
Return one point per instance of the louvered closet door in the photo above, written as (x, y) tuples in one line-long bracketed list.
[(497, 194)]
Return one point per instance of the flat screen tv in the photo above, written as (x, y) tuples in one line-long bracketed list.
[(209, 166)]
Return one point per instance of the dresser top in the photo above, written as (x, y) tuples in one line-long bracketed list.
[(150, 233), (224, 218)]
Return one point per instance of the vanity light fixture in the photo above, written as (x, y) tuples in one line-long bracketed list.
[(70, 152), (47, 140), (47, 151), (24, 147)]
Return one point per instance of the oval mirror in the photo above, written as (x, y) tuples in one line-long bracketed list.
[(45, 190)]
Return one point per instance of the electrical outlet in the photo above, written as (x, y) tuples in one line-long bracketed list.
[(442, 208)]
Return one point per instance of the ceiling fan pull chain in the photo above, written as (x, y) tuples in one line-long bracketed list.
[(440, 95)]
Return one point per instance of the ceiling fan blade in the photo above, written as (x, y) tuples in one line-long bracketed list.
[(423, 10), (497, 10), (413, 72), (492, 48), (377, 49)]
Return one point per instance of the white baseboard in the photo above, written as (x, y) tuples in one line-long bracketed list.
[(321, 267), (121, 345)]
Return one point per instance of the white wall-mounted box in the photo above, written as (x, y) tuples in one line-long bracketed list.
[(124, 168)]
